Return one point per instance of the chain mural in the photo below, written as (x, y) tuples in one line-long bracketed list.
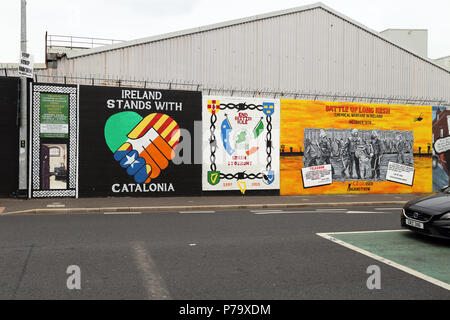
[(351, 148), (241, 142)]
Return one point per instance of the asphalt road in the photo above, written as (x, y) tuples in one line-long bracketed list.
[(221, 255)]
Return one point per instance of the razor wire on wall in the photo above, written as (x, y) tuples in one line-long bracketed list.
[(263, 93)]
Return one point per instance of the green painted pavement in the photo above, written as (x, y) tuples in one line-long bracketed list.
[(423, 254)]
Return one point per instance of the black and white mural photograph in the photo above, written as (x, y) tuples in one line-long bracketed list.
[(357, 154)]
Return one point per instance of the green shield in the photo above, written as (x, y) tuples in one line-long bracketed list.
[(213, 177)]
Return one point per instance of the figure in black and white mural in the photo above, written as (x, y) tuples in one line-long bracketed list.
[(351, 147), (377, 149), (324, 145)]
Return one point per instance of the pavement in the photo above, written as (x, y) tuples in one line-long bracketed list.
[(10, 206)]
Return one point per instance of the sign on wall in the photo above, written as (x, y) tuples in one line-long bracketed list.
[(240, 144), (26, 65), (138, 142), (54, 115), (370, 148)]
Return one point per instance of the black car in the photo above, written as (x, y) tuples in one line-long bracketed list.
[(429, 215)]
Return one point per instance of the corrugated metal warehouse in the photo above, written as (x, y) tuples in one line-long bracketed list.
[(310, 51)]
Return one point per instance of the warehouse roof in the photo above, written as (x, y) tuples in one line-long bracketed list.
[(318, 5)]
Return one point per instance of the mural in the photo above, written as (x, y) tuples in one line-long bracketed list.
[(368, 148), (147, 148), (54, 141), (441, 147), (241, 143), (54, 166), (356, 155), (143, 139)]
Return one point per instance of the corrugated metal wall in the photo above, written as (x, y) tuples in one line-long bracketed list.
[(309, 51)]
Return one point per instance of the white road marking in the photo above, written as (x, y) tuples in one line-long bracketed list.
[(361, 212), (300, 212), (268, 212), (381, 209), (121, 213), (262, 212), (295, 211), (281, 212), (355, 232), (153, 282), (196, 211), (383, 260)]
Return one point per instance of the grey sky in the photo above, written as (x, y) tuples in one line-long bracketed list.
[(132, 19)]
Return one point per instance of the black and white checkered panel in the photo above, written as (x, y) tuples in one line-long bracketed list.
[(54, 194), (36, 142)]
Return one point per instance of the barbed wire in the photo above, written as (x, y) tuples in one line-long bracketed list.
[(266, 93)]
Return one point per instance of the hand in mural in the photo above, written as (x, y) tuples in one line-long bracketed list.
[(149, 148)]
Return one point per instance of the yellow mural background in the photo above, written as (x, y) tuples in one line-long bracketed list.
[(296, 115)]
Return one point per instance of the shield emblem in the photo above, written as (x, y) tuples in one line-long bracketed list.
[(213, 177), (269, 108), (268, 177), (213, 106)]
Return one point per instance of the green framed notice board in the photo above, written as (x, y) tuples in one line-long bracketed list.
[(54, 116)]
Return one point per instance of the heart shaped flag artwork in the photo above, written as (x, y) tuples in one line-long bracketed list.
[(142, 146)]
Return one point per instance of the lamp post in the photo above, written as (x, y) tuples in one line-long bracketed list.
[(23, 156)]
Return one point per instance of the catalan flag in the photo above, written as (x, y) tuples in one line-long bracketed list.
[(156, 138), (129, 159), (122, 151), (136, 166), (142, 176)]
